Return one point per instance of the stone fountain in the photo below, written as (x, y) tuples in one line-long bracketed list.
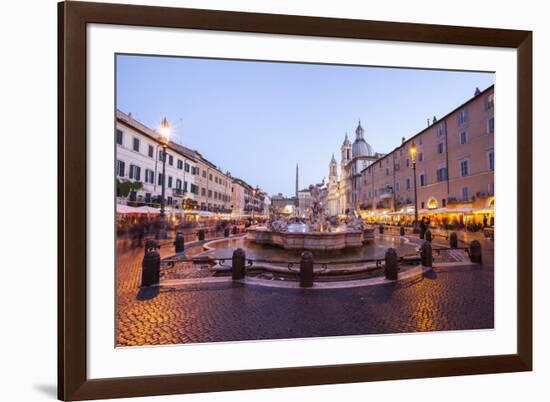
[(317, 234)]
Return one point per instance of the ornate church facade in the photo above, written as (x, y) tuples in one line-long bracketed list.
[(344, 188)]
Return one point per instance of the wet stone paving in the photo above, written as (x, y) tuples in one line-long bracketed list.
[(443, 299)]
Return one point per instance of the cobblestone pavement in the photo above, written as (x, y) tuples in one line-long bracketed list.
[(444, 299)]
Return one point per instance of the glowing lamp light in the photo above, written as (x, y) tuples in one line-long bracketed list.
[(413, 152), (165, 130)]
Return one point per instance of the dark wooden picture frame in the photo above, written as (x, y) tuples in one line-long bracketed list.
[(73, 383)]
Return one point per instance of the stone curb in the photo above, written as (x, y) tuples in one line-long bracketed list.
[(405, 274)]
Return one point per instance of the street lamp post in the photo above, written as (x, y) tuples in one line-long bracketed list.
[(413, 159), (164, 137)]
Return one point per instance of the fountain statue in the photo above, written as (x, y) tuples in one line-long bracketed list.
[(317, 217)]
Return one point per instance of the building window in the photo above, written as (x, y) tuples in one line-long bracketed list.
[(169, 181), (161, 154), (396, 186), (170, 160), (440, 148), (184, 186), (420, 156), (209, 193), (136, 144), (120, 168), (160, 179), (151, 151), (491, 125), (463, 137), (210, 176), (203, 191), (423, 180), (465, 195), (178, 184), (180, 164), (187, 167), (119, 136), (441, 129), (462, 117), (441, 174), (407, 162), (491, 160), (135, 172), (387, 172), (408, 183), (149, 176), (194, 189), (464, 167), (204, 174)]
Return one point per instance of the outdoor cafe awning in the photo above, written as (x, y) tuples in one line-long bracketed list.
[(128, 210)]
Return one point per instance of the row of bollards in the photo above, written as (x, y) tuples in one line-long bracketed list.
[(179, 243), (150, 274), (238, 269)]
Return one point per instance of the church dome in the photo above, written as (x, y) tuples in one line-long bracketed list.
[(360, 146)]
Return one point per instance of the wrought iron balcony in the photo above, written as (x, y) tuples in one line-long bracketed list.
[(178, 192)]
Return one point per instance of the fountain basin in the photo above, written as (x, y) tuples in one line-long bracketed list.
[(304, 240)]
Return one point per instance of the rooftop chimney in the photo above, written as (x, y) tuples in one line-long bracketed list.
[(428, 122), (477, 92), (434, 120)]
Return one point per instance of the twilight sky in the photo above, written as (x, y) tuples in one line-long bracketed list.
[(258, 119)]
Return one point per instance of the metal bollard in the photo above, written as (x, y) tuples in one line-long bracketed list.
[(391, 268), (475, 251), (428, 235), (179, 243), (201, 234), (306, 270), (226, 232), (237, 264), (426, 254), (453, 240), (381, 229), (401, 231), (150, 243), (150, 266)]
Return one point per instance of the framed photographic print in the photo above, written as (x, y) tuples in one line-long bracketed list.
[(252, 200)]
